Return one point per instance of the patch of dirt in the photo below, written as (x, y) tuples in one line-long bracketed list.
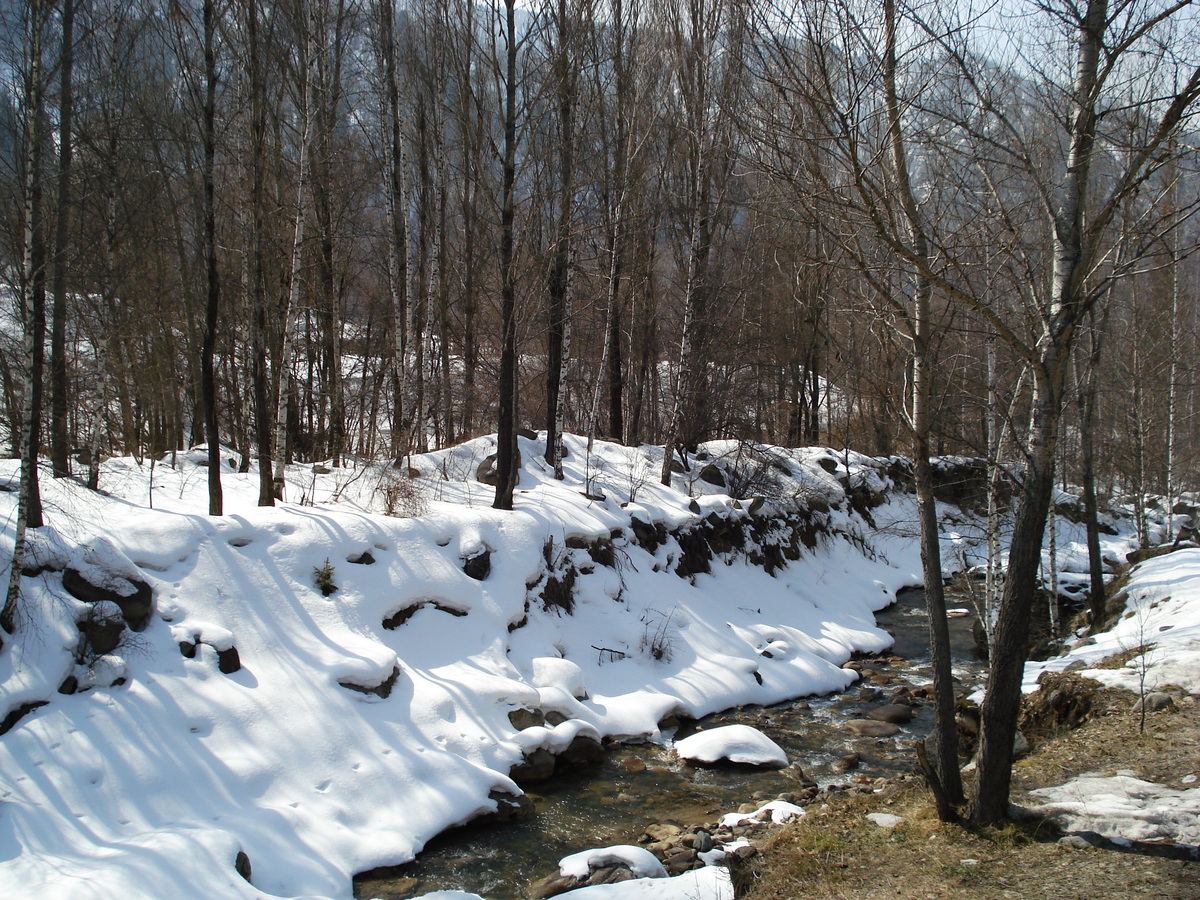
[(836, 852)]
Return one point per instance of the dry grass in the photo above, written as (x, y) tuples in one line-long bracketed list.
[(835, 852)]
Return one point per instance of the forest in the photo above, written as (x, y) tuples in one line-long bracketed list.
[(327, 229), (341, 231)]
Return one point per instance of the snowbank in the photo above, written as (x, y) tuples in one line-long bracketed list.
[(1162, 614), (322, 688), (322, 732)]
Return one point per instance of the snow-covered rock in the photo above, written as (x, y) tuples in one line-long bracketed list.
[(777, 811), (640, 861), (734, 743)]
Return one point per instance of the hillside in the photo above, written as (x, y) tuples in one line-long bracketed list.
[(310, 691)]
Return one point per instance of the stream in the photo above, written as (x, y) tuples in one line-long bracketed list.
[(640, 784)]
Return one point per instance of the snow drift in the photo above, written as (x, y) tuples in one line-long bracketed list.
[(318, 690)]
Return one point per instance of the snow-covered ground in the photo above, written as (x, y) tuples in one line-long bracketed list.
[(359, 722), (1160, 633), (1162, 615)]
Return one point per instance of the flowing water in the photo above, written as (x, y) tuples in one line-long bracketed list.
[(637, 785)]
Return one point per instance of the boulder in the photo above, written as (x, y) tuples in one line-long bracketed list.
[(535, 766), (383, 690), (241, 864), (584, 750), (229, 662), (487, 474), (1156, 701), (102, 627), (871, 728), (135, 598), (680, 861), (551, 886), (896, 713), (662, 832), (509, 808), (739, 744), (478, 566), (523, 718)]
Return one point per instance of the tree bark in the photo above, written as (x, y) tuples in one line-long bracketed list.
[(291, 308), (558, 337), (944, 740), (33, 312), (60, 440), (506, 450), (397, 233), (1002, 703), (212, 276), (262, 390)]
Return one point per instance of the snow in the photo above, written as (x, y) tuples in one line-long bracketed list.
[(1123, 808), (152, 787), (778, 811), (736, 743), (640, 861), (709, 883), (1162, 613)]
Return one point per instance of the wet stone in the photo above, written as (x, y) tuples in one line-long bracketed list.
[(663, 832), (680, 861), (871, 728), (896, 713), (551, 886)]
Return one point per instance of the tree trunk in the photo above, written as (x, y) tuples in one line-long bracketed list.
[(212, 307), (291, 309), (944, 740), (506, 450), (60, 440), (397, 233), (33, 312), (262, 392), (1086, 399), (1002, 703), (558, 338)]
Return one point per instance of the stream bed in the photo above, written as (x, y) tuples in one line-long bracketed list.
[(640, 784)]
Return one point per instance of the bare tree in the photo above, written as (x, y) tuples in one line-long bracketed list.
[(60, 443), (33, 307), (706, 39), (507, 460)]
